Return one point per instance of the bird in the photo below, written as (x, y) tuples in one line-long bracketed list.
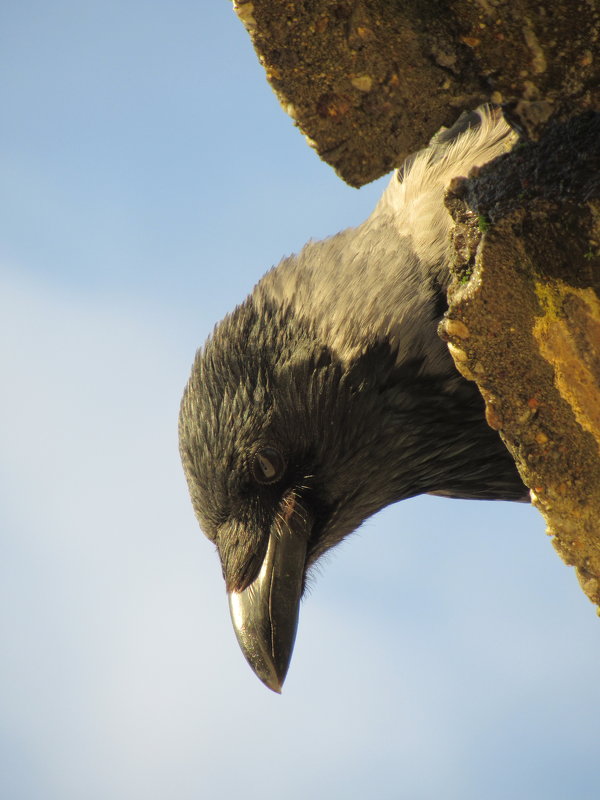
[(327, 394)]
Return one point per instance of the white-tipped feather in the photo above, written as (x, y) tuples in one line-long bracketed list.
[(415, 196)]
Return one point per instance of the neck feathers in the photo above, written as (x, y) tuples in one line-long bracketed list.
[(386, 279)]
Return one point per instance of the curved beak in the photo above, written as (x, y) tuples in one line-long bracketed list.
[(265, 614)]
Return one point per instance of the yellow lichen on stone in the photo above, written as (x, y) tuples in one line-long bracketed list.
[(568, 337)]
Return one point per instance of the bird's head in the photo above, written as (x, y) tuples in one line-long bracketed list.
[(282, 446), (288, 447), (328, 395)]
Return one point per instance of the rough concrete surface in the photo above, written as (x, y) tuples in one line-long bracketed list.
[(524, 322), (370, 81)]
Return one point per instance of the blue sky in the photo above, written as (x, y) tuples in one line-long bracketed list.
[(149, 179)]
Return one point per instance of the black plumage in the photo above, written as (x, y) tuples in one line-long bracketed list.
[(328, 395)]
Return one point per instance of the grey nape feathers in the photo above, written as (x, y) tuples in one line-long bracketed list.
[(327, 394)]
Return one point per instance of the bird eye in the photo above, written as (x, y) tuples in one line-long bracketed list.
[(267, 465)]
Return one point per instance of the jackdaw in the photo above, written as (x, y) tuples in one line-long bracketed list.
[(327, 395)]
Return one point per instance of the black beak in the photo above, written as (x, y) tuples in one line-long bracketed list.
[(265, 614)]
